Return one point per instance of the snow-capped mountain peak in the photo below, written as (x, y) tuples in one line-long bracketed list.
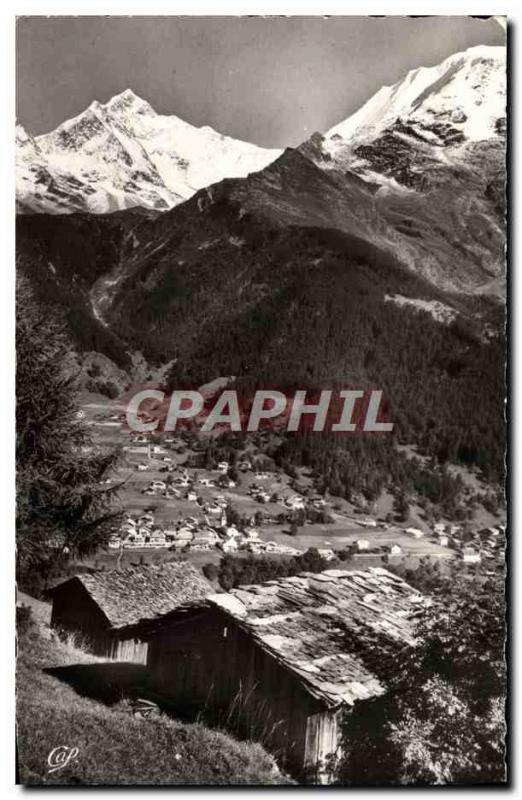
[(21, 134), (130, 103), (121, 154), (468, 89)]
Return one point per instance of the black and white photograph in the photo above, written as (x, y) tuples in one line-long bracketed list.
[(262, 285)]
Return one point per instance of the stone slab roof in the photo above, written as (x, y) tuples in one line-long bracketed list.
[(315, 624), (132, 595)]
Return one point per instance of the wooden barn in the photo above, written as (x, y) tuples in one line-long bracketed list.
[(281, 660), (110, 610)]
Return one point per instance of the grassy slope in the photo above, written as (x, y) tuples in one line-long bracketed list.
[(114, 746)]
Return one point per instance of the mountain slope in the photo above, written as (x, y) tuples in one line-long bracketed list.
[(256, 278), (331, 263), (433, 149), (122, 154), (467, 89)]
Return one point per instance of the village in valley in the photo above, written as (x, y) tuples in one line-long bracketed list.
[(282, 654), (175, 502), (233, 590)]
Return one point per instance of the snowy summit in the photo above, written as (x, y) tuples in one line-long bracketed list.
[(123, 154), (467, 89)]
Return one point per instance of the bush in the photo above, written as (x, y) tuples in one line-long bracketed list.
[(109, 389), (210, 571)]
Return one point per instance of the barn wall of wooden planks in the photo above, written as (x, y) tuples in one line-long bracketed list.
[(207, 663)]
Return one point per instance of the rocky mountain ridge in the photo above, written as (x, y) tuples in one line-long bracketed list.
[(122, 154)]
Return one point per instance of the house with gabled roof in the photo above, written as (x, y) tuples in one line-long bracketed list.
[(286, 657), (109, 610)]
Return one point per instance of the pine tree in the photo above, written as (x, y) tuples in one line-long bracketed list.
[(63, 509)]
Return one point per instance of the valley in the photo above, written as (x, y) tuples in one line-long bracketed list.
[(180, 504)]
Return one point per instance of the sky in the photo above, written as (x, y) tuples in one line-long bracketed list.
[(268, 80)]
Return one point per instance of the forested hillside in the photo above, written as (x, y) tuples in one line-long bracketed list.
[(284, 276)]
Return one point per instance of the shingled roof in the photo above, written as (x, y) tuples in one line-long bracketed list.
[(307, 621), (130, 595)]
